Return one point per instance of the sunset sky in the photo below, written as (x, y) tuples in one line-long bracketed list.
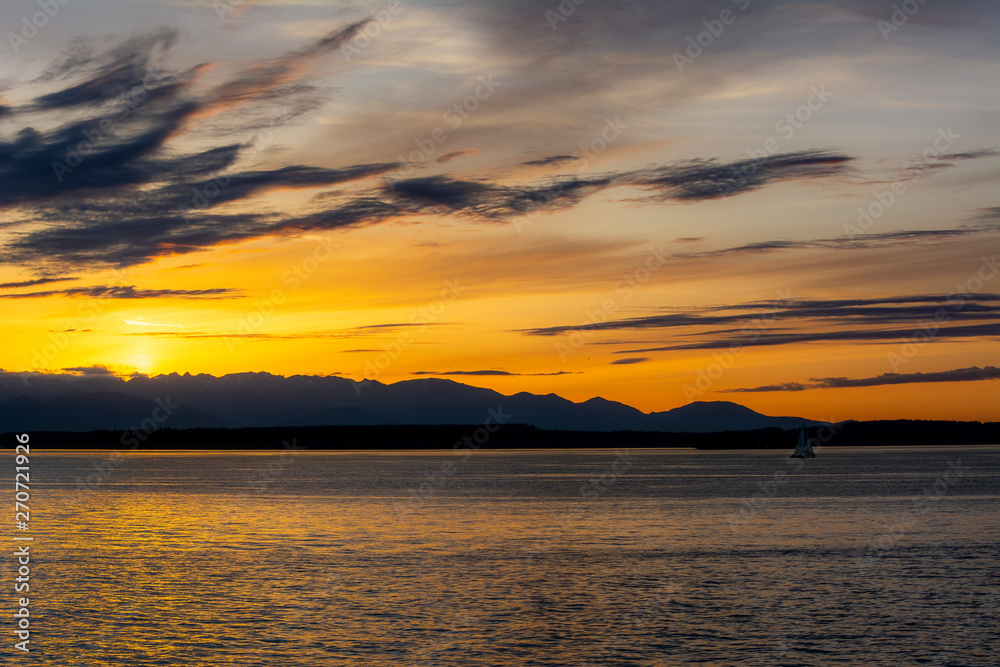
[(773, 203)]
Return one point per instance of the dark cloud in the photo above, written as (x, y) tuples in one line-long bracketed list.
[(247, 184), (441, 192), (629, 361), (758, 339), (92, 215), (106, 189), (552, 159), (921, 166), (89, 370), (709, 179), (797, 320), (973, 374), (81, 156), (102, 235), (887, 310), (129, 292), (686, 181), (115, 73), (785, 386), (37, 281), (81, 179), (971, 155)]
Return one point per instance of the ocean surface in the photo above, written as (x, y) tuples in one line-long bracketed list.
[(861, 556)]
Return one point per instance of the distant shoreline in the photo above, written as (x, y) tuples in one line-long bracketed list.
[(513, 436)]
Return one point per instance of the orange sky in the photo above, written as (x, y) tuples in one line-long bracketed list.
[(352, 220)]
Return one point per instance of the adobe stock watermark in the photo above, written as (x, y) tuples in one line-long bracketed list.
[(21, 563), (786, 126), (30, 27), (454, 117), (293, 278), (95, 136), (591, 491), (131, 440), (446, 471), (921, 504), (884, 199), (696, 44), (224, 7), (59, 341), (956, 301), (562, 12), (419, 320), (624, 290), (899, 17), (261, 478), (363, 37), (203, 196), (708, 376), (584, 156)]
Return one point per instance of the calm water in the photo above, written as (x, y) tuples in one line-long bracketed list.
[(670, 557)]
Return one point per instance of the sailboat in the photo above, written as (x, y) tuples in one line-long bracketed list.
[(804, 448)]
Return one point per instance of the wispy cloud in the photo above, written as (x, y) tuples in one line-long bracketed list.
[(881, 310), (37, 281), (90, 370), (973, 374), (629, 360), (130, 292), (985, 222), (686, 181), (488, 372), (800, 320), (392, 326), (78, 182), (548, 161), (852, 336)]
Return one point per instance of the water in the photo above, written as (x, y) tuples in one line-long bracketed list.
[(666, 557)]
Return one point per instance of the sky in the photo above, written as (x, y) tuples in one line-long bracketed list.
[(790, 205)]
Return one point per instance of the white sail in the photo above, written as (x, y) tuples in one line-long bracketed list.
[(804, 448), (800, 448)]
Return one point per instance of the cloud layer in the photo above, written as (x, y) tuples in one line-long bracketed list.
[(108, 187), (973, 374), (794, 320)]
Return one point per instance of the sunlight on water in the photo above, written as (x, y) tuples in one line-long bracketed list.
[(514, 558)]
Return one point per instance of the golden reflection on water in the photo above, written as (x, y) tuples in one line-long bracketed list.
[(325, 559)]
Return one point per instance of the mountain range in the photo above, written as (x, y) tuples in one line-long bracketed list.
[(68, 402)]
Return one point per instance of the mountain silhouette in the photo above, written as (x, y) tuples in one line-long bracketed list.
[(38, 401)]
